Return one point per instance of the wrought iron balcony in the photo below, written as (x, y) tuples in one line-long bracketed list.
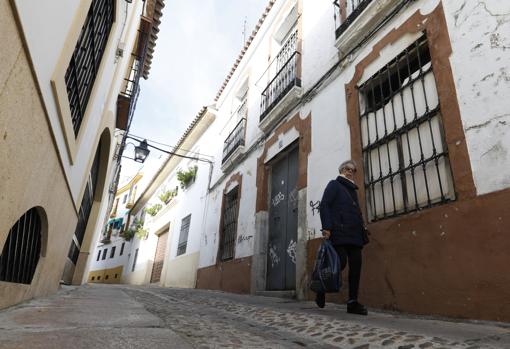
[(346, 12), (126, 101), (285, 78), (234, 140)]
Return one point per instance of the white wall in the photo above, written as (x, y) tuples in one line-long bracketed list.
[(481, 68), (480, 90)]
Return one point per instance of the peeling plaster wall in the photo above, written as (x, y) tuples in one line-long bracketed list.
[(480, 36)]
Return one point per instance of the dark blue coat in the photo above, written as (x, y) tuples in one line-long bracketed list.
[(340, 212)]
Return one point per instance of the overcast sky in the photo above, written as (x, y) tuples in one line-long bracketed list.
[(198, 43)]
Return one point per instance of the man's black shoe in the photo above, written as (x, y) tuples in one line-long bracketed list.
[(320, 299), (356, 308)]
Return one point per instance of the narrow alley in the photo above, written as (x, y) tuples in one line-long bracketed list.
[(119, 316)]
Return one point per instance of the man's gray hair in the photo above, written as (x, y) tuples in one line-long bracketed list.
[(345, 163)]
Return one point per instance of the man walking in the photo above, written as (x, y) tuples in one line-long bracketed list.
[(343, 224)]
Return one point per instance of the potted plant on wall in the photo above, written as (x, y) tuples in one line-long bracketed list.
[(154, 209), (136, 230), (167, 195), (128, 234), (140, 233), (186, 178)]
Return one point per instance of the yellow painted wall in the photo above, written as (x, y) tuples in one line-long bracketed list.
[(30, 171), (106, 276)]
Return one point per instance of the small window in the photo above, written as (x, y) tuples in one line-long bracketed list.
[(104, 254), (121, 249), (116, 275), (99, 278), (22, 249), (124, 198), (112, 253), (134, 260), (93, 278), (183, 237), (106, 277), (98, 255)]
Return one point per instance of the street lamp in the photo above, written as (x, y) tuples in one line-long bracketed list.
[(141, 151)]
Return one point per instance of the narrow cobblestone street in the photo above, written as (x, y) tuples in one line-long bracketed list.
[(152, 317)]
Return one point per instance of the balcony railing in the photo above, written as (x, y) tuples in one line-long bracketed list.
[(126, 102), (346, 12), (285, 79), (234, 140)]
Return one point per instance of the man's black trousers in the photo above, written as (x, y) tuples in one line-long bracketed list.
[(352, 255)]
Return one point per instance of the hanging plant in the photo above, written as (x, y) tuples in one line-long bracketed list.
[(128, 234), (139, 231), (168, 195), (154, 209), (186, 178)]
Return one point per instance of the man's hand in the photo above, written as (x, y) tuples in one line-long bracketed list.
[(326, 234)]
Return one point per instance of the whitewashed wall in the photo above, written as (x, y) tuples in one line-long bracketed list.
[(481, 68), (480, 91)]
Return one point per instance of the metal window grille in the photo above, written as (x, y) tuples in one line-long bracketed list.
[(285, 77), (22, 249), (98, 255), (84, 65), (183, 237), (112, 253), (105, 251), (121, 249), (229, 226), (404, 150), (74, 252), (234, 140), (134, 260), (85, 208), (346, 11)]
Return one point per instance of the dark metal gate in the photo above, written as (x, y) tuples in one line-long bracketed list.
[(281, 252)]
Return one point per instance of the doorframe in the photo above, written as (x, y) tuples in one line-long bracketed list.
[(259, 262), (165, 229), (284, 153)]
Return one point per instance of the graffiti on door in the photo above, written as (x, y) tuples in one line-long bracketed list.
[(291, 251), (273, 255)]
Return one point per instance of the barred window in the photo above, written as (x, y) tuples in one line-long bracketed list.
[(229, 225), (88, 52), (404, 151), (134, 260), (22, 249), (85, 208), (183, 237)]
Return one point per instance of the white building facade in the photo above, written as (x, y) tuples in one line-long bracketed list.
[(413, 91), (398, 87)]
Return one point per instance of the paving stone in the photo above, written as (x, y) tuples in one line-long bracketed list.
[(208, 319)]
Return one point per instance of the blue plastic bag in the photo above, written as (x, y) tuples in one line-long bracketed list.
[(326, 273)]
